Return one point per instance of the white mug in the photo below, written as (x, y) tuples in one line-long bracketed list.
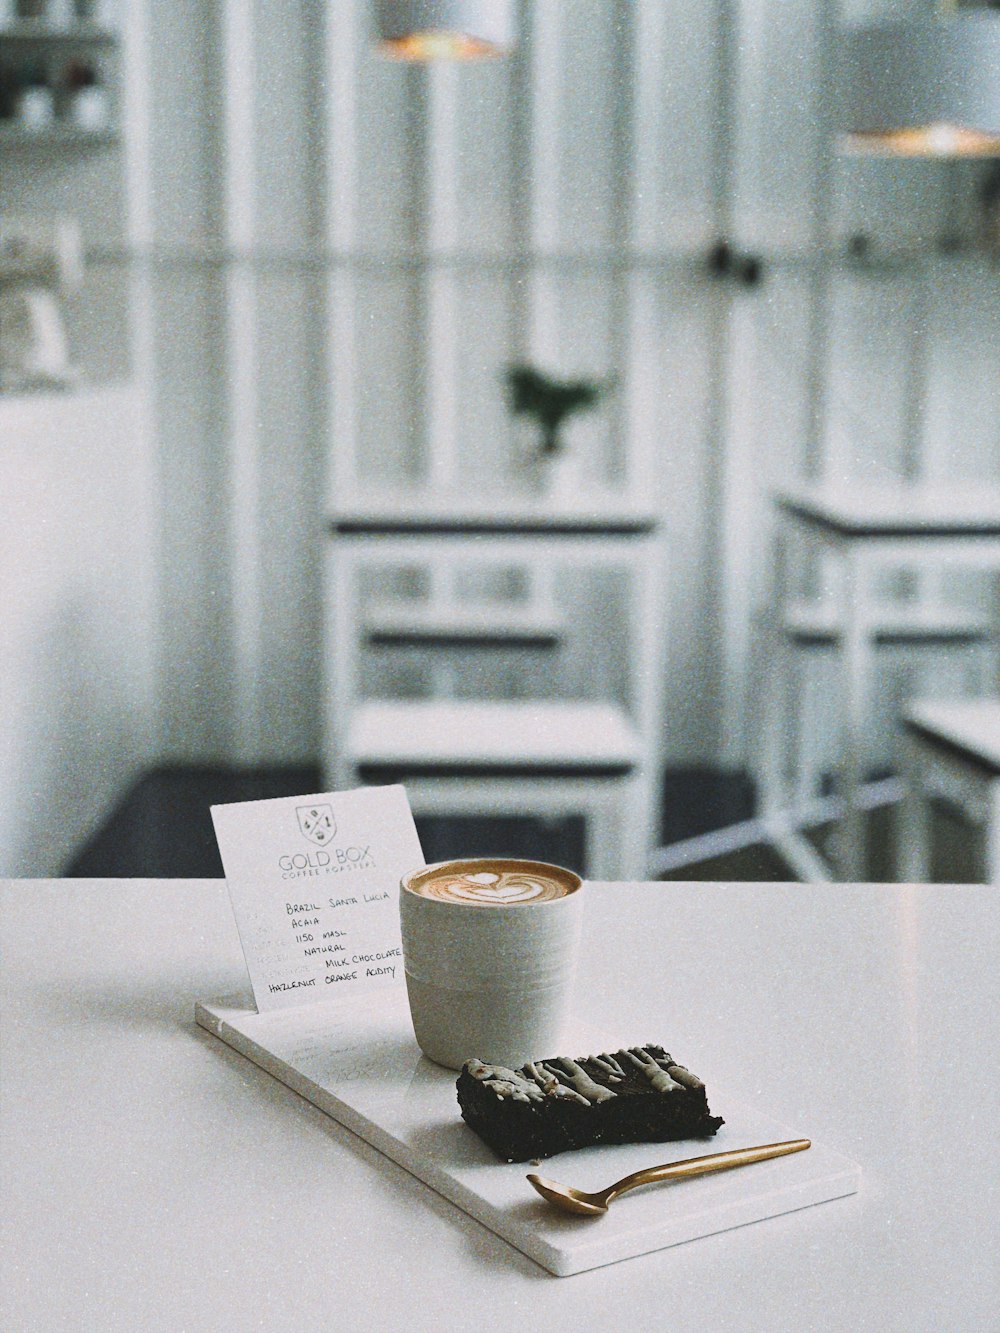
[(490, 971)]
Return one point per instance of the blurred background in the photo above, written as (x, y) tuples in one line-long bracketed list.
[(265, 286)]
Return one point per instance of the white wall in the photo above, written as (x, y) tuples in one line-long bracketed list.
[(78, 615), (359, 247)]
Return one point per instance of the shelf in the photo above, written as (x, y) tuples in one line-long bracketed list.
[(311, 259), (38, 32), (49, 408), (57, 136), (34, 41)]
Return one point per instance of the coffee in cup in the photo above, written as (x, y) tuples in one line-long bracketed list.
[(489, 953), (505, 884)]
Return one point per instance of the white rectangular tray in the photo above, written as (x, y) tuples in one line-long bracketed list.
[(359, 1063)]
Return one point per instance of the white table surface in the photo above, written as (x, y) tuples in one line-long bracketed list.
[(883, 510), (154, 1179), (972, 725)]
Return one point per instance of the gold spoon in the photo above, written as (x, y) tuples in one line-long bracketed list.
[(593, 1205)]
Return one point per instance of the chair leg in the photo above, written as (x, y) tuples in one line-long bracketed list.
[(913, 853), (779, 711), (635, 804), (615, 837), (807, 726), (993, 835), (781, 722), (603, 821)]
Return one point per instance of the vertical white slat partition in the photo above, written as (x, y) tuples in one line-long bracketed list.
[(962, 419), (640, 360), (815, 459), (639, 351), (241, 382), (441, 294), (737, 479), (653, 253), (674, 317), (615, 449), (642, 44), (777, 164), (541, 329), (341, 39), (487, 167), (139, 232), (878, 343), (291, 332), (740, 525), (594, 151)]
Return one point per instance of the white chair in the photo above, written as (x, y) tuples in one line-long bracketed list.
[(479, 621), (952, 751)]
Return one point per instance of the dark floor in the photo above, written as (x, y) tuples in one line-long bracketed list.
[(957, 858), (163, 829)]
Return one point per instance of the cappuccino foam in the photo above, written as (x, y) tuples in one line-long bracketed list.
[(493, 883)]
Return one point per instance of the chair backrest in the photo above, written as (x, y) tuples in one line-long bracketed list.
[(443, 624), (493, 616)]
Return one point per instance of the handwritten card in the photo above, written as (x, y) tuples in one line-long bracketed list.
[(314, 883)]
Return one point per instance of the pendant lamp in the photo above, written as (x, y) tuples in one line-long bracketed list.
[(445, 29), (928, 87)]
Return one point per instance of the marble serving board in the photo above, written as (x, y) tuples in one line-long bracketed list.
[(358, 1063)]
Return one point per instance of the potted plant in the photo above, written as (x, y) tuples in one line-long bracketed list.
[(548, 403)]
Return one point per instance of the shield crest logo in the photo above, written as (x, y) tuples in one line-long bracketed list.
[(316, 822)]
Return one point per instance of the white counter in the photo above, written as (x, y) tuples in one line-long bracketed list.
[(154, 1179)]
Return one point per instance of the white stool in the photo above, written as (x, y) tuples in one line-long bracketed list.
[(571, 726), (951, 750), (859, 535), (542, 757)]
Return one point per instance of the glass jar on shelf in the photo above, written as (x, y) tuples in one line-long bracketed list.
[(86, 103), (60, 14), (34, 104)]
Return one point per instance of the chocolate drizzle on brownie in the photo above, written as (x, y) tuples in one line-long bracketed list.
[(547, 1106)]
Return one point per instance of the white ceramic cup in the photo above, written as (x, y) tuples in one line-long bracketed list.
[(490, 977)]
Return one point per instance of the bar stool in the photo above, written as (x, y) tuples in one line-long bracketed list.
[(570, 729), (924, 650), (860, 535)]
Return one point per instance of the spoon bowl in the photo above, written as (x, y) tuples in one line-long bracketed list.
[(572, 1200)]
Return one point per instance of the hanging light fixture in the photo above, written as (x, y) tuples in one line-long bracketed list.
[(445, 29), (928, 87)]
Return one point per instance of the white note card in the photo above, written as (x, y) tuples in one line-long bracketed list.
[(314, 883)]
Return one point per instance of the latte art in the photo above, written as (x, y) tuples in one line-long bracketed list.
[(493, 883), (493, 889)]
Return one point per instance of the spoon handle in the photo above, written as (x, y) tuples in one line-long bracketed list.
[(700, 1166)]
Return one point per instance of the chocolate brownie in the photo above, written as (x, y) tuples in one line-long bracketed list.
[(639, 1095)]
